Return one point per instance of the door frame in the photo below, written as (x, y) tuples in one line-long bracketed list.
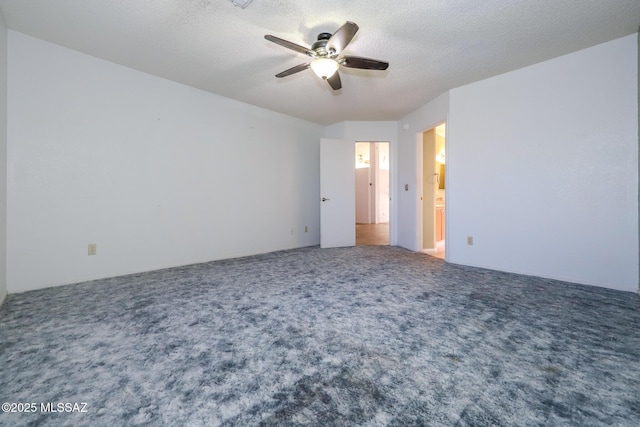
[(420, 190), (377, 178), (373, 210), (377, 135), (361, 206)]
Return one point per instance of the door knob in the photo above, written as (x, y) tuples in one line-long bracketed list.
[(324, 199)]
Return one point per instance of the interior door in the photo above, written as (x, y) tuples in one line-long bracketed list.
[(337, 193)]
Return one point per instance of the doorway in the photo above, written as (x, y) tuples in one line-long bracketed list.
[(372, 193), (433, 199)]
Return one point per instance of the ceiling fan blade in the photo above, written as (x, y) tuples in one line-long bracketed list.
[(293, 70), (288, 44), (343, 35), (363, 63), (334, 81)]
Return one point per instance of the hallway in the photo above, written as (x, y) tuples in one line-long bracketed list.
[(372, 234), (378, 235)]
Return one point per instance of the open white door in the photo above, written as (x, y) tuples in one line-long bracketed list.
[(337, 193)]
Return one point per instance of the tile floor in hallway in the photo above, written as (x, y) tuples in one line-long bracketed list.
[(378, 234), (372, 234)]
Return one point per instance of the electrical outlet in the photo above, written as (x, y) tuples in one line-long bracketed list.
[(92, 249), (306, 228), (470, 240)]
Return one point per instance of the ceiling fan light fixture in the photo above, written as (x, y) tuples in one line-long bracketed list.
[(324, 67)]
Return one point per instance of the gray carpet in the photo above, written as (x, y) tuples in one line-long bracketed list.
[(368, 336)]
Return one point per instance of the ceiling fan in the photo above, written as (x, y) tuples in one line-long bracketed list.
[(326, 54)]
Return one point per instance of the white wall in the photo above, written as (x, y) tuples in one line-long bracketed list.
[(382, 184), (409, 129), (542, 169), (381, 131), (157, 174), (383, 202), (363, 196), (3, 159)]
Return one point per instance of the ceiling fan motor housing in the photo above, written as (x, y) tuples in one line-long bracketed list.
[(320, 46)]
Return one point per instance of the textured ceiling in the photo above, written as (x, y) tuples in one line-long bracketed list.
[(431, 45)]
